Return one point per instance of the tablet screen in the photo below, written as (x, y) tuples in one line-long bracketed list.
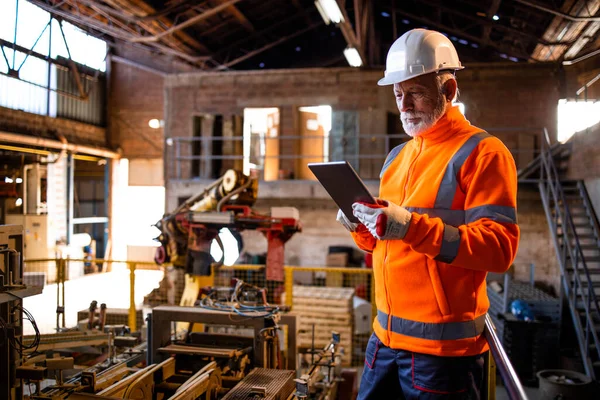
[(343, 184)]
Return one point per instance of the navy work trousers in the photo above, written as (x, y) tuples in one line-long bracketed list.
[(397, 374)]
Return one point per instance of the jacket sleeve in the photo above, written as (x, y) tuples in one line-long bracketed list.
[(363, 238), (489, 238)]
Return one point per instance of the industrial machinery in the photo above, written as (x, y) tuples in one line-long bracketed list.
[(321, 381), (12, 291), (187, 232)]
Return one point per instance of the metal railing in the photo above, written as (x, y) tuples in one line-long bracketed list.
[(197, 157), (575, 275)]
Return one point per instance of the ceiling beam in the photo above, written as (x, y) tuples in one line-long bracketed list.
[(487, 29), (504, 49), (268, 46), (301, 10), (489, 23), (111, 30), (186, 23), (259, 34), (146, 17), (239, 16), (572, 18)]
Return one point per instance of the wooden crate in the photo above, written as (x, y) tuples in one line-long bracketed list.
[(329, 310)]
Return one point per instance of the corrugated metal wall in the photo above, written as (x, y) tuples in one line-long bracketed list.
[(92, 111)]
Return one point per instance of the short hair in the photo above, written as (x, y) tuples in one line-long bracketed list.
[(443, 77)]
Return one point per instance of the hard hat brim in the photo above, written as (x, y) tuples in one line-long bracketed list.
[(401, 76)]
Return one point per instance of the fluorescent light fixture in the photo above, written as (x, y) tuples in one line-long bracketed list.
[(19, 202), (495, 18), (8, 180), (330, 11), (353, 57), (19, 180)]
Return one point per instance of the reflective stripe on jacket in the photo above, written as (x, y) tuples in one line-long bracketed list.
[(460, 185)]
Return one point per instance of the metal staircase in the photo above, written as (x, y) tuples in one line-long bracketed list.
[(576, 235)]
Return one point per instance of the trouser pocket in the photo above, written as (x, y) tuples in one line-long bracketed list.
[(371, 351), (445, 375)]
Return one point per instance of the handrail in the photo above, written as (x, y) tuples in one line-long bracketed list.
[(589, 206), (511, 380), (574, 287)]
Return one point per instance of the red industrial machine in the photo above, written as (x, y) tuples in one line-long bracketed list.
[(187, 233)]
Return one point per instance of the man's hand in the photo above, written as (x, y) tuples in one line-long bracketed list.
[(342, 219), (385, 220)]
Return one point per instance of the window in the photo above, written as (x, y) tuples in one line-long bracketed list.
[(35, 27), (576, 116)]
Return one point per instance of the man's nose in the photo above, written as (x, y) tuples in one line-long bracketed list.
[(405, 103)]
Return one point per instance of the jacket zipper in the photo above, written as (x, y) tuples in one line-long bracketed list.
[(387, 297), (411, 169), (385, 259)]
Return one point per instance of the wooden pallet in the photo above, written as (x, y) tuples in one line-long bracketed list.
[(329, 309)]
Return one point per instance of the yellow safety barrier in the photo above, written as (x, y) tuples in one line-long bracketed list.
[(219, 275)]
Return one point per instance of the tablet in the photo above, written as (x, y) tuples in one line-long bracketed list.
[(343, 184)]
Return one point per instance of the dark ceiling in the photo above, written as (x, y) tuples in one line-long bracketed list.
[(255, 34)]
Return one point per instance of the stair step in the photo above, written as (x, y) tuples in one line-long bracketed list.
[(589, 247), (591, 271)]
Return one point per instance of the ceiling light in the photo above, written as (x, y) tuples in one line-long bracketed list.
[(19, 202), (353, 57), (385, 14), (495, 18), (19, 180), (155, 123), (330, 11), (8, 180)]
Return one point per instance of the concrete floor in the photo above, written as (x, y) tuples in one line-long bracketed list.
[(111, 288)]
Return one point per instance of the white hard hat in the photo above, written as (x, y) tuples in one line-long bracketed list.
[(419, 52)]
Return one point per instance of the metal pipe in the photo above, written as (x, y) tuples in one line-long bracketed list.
[(509, 375), (54, 144), (186, 23), (134, 64), (559, 13), (587, 85), (15, 38), (584, 57)]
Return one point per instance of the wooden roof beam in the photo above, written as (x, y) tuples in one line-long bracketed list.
[(239, 16)]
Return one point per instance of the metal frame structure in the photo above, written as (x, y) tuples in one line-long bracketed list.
[(163, 316), (174, 30), (577, 283)]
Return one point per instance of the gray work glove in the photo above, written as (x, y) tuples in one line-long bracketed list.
[(385, 220), (342, 219)]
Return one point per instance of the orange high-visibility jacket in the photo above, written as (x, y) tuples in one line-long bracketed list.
[(460, 185)]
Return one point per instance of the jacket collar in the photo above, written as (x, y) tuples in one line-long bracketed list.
[(448, 125)]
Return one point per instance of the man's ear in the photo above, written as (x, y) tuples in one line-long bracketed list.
[(450, 88)]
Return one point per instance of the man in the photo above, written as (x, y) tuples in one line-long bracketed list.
[(445, 217)]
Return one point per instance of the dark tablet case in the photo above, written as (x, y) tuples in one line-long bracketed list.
[(343, 184)]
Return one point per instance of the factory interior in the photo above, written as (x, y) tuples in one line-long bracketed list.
[(163, 237)]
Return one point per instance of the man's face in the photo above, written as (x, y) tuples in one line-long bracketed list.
[(420, 103)]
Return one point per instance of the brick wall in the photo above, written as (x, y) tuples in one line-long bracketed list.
[(495, 95), (584, 162), (21, 122), (135, 97)]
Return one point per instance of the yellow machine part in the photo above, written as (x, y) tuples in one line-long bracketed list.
[(193, 284)]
